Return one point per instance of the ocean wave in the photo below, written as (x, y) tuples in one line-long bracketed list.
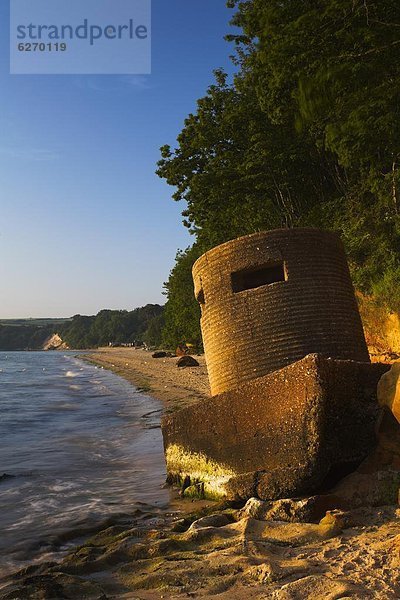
[(71, 468), (71, 374), (63, 486)]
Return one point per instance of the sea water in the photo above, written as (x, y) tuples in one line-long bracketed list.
[(77, 444)]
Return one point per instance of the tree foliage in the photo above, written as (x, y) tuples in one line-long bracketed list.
[(331, 68), (182, 312), (306, 134), (239, 172), (333, 65), (113, 326), (23, 337), (81, 332)]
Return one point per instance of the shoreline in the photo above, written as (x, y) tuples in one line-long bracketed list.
[(147, 519), (174, 387)]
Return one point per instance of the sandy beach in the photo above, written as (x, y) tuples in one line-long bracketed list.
[(175, 387), (223, 551)]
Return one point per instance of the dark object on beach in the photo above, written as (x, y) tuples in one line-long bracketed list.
[(185, 484), (6, 476), (187, 361), (159, 355)]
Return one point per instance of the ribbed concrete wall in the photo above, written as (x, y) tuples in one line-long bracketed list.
[(249, 333)]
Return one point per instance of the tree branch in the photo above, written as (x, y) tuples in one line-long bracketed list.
[(394, 186), (385, 23), (367, 11), (369, 52)]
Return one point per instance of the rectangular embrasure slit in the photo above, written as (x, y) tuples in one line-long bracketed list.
[(200, 297), (249, 279)]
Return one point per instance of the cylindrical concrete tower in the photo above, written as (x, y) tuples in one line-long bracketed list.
[(271, 298)]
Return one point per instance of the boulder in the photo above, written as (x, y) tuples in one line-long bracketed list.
[(336, 519), (292, 510), (215, 520), (187, 361), (387, 453), (159, 355), (389, 390)]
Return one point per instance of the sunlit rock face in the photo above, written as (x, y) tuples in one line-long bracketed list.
[(54, 342), (389, 390)]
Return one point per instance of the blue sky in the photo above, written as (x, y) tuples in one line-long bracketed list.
[(85, 222)]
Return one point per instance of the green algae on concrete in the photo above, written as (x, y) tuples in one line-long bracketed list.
[(196, 467)]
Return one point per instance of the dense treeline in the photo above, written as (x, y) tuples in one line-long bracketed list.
[(24, 337), (307, 134), (116, 326)]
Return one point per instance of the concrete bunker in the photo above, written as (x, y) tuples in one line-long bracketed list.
[(270, 298), (293, 391)]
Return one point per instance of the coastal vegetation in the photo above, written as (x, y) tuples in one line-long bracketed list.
[(80, 332), (305, 134), (182, 314), (115, 326), (24, 336)]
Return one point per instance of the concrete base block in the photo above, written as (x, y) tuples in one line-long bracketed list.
[(281, 435)]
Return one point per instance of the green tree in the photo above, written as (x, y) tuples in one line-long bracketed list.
[(238, 172), (334, 66), (308, 134), (182, 311), (331, 69), (24, 337), (107, 326), (153, 334)]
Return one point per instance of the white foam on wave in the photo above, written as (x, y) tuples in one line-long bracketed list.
[(71, 374), (62, 486)]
